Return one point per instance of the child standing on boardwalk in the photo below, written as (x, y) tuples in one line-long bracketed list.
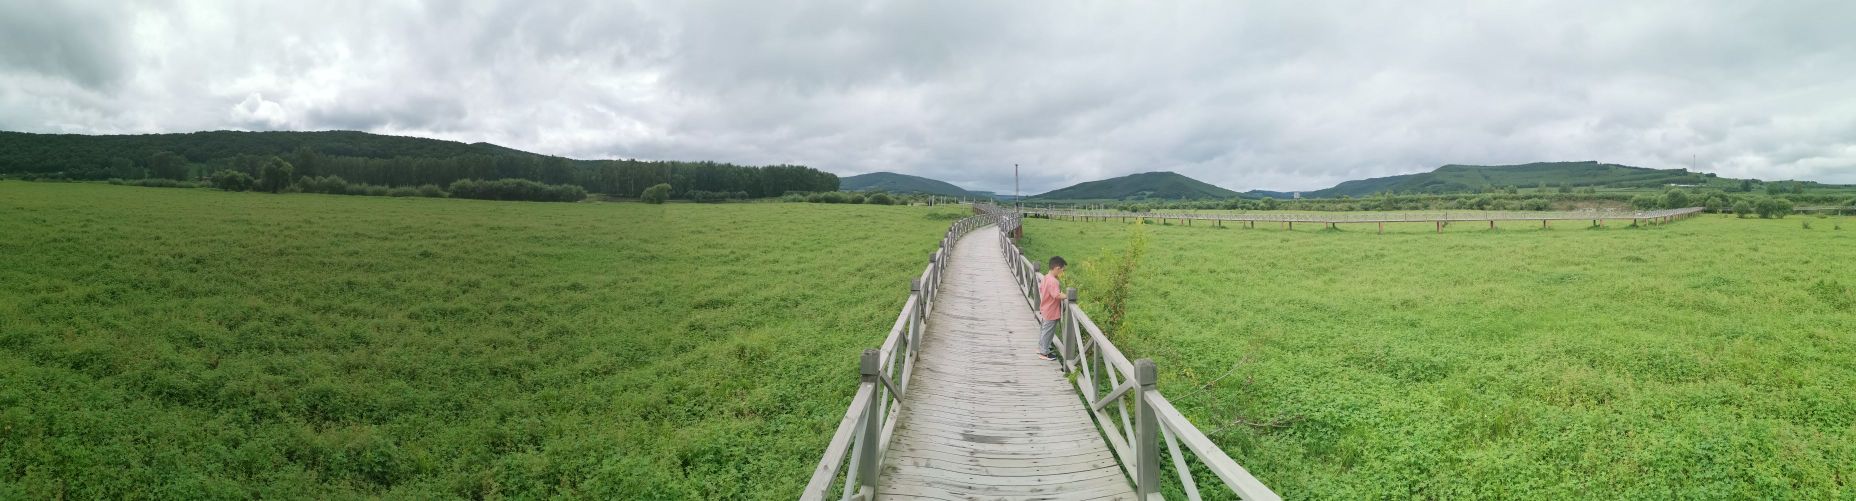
[(1050, 307)]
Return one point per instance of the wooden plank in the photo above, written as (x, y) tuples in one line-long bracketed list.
[(983, 416), (1105, 486), (945, 462)]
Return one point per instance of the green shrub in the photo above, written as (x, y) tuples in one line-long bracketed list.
[(856, 198), (1675, 198), (157, 182), (431, 190), (333, 185), (1536, 204), (275, 175), (1741, 209), (656, 194), (231, 180), (372, 190), (1645, 202), (827, 197), (515, 189), (705, 196), (1773, 208), (880, 198)]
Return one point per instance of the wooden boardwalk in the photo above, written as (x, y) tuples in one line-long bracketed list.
[(984, 417)]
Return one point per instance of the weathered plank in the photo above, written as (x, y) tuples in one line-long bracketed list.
[(984, 417)]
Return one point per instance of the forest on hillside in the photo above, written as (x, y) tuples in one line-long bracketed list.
[(374, 159)]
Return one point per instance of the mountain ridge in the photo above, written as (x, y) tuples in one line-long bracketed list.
[(1166, 185), (1456, 178), (903, 183)]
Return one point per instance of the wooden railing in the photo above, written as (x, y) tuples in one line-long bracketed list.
[(864, 433), (1129, 410)]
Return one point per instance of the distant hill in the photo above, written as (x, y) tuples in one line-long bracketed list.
[(902, 183), (1160, 185), (23, 147), (1464, 178)]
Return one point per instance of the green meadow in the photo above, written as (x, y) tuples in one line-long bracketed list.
[(197, 344), (1712, 358)]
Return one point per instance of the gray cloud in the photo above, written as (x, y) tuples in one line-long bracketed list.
[(1279, 95), (75, 41)]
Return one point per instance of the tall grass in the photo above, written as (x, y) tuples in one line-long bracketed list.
[(1705, 359), (187, 344)]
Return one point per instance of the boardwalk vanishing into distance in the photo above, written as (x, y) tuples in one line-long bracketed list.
[(984, 416), (955, 404)]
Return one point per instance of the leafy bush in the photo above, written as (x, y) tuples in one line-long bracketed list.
[(231, 180), (518, 189), (856, 198), (1645, 202), (333, 185), (705, 196), (275, 175), (880, 198), (1715, 204), (1675, 199), (431, 190), (828, 197), (364, 190), (656, 194), (1539, 204), (1741, 208), (1773, 208), (157, 182)]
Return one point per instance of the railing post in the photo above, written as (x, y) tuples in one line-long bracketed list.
[(1146, 434), (1072, 333), (1034, 281), (867, 462), (915, 320), (935, 259)]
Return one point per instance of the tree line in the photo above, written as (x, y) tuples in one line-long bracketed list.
[(373, 159)]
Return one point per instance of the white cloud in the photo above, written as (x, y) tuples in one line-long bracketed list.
[(1279, 95), (256, 113)]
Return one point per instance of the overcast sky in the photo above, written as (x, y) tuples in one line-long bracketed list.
[(1290, 96)]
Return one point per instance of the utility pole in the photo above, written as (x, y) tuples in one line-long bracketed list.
[(1016, 204)]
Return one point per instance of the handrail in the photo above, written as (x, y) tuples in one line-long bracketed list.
[(1111, 384), (863, 435)]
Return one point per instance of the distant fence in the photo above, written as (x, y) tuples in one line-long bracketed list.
[(1381, 218), (864, 433), (1133, 416), (1828, 208)]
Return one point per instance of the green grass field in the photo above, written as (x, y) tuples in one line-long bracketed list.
[(197, 344), (1712, 358)]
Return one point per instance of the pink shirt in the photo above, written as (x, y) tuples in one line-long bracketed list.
[(1050, 299)]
